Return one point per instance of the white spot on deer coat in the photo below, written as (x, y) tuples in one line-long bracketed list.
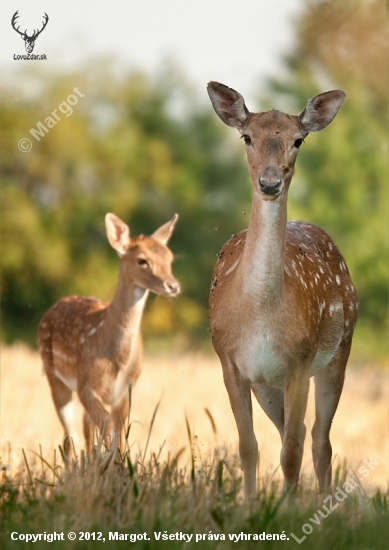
[(231, 269), (335, 307)]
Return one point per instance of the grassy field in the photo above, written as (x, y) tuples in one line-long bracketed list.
[(183, 475)]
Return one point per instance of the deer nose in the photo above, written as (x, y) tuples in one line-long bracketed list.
[(172, 287), (270, 181)]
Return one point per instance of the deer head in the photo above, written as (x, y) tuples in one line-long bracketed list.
[(145, 261), (29, 40), (273, 138)]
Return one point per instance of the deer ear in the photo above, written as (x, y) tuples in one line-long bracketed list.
[(228, 104), (164, 233), (321, 110), (118, 233)]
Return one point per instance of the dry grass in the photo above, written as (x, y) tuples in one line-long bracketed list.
[(186, 386)]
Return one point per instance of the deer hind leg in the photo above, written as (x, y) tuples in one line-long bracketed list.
[(238, 389), (296, 396), (272, 402), (62, 398), (328, 388)]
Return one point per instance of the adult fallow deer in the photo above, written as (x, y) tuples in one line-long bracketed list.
[(282, 303), (94, 347)]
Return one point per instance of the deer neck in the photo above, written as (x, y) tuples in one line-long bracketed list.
[(124, 313), (264, 253)]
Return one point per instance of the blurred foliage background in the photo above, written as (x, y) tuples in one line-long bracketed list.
[(145, 147)]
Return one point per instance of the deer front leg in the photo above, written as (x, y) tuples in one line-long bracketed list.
[(295, 399), (95, 415), (239, 392), (119, 414), (88, 428)]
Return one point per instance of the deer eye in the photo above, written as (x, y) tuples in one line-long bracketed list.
[(142, 261), (298, 142), (247, 139)]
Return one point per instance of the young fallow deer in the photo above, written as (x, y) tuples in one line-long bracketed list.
[(282, 304), (94, 347)]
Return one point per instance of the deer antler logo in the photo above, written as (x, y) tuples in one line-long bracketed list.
[(29, 40)]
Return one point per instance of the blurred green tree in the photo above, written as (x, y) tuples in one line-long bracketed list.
[(341, 181)]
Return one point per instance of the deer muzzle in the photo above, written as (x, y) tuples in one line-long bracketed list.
[(172, 287), (270, 182)]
